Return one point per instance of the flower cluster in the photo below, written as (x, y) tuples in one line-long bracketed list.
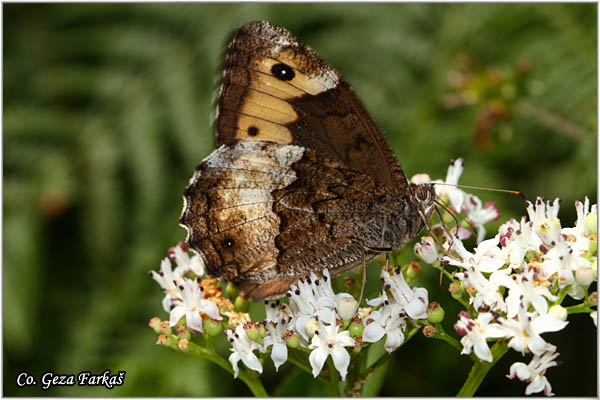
[(312, 318), (404, 304), (185, 290), (516, 281), (511, 286)]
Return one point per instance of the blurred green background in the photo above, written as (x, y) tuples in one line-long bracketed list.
[(107, 109)]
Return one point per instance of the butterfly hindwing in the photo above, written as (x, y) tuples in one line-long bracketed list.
[(264, 212)]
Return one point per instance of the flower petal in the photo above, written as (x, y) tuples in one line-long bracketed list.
[(251, 361), (234, 358), (373, 332), (482, 351), (194, 321), (341, 360), (176, 314), (279, 354), (317, 359), (209, 308)]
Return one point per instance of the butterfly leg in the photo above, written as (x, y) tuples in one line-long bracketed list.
[(387, 261), (386, 250), (364, 277)]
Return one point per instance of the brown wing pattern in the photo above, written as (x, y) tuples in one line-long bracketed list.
[(303, 180), (278, 89), (264, 214)]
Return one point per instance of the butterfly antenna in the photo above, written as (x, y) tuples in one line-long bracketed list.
[(516, 192)]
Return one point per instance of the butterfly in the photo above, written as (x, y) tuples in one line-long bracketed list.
[(302, 179)]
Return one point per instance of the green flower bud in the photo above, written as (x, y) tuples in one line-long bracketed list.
[(262, 331), (456, 290), (292, 341), (164, 340), (435, 312), (251, 331), (412, 272), (164, 327), (155, 324), (356, 328), (358, 345), (231, 291), (241, 304), (212, 327), (183, 332)]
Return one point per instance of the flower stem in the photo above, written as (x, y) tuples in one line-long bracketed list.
[(561, 295), (254, 385), (442, 335), (579, 308), (480, 370), (334, 379)]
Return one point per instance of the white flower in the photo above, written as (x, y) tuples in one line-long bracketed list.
[(587, 219), (535, 373), (528, 288), (525, 332), (390, 320), (476, 332), (566, 250), (455, 195), (190, 303), (480, 214), (242, 350), (414, 301), (542, 211), (186, 263), (594, 316), (488, 256), (516, 240), (168, 281), (548, 231), (487, 290), (276, 310), (276, 330), (568, 260), (279, 319), (327, 341), (313, 297), (426, 250)]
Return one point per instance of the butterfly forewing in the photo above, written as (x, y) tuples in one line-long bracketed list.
[(303, 179), (276, 88)]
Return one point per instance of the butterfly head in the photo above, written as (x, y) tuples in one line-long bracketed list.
[(424, 196)]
